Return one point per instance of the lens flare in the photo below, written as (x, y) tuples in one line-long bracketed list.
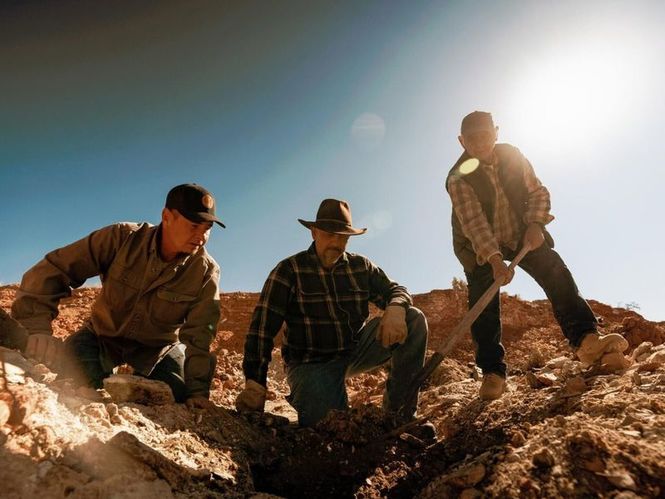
[(469, 166)]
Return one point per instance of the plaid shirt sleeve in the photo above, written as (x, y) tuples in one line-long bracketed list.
[(266, 322), (538, 205), (472, 218), (384, 291)]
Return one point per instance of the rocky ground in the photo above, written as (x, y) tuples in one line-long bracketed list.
[(559, 431)]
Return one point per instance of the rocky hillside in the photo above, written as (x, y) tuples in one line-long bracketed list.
[(559, 431)]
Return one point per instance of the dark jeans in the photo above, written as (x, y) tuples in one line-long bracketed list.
[(91, 361), (319, 387), (548, 269)]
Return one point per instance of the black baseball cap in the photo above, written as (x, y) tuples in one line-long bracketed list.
[(194, 203)]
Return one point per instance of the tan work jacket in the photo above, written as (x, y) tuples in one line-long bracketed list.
[(142, 298)]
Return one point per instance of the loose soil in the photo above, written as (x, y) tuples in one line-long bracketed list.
[(560, 430)]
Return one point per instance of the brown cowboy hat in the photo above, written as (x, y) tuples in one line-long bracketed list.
[(334, 216)]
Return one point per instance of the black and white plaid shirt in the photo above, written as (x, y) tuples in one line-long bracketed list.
[(323, 309)]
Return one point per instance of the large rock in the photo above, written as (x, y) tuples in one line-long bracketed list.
[(130, 388)]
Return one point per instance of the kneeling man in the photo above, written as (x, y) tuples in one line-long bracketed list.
[(323, 294), (157, 310)]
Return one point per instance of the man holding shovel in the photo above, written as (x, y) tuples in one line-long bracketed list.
[(500, 207)]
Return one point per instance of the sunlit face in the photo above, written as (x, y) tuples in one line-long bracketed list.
[(329, 247), (480, 144), (182, 236)]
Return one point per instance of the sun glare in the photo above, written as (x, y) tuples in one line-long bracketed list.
[(574, 95)]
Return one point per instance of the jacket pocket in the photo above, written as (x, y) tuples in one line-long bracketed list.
[(120, 289), (170, 307)]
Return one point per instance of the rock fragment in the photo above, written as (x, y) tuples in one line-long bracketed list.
[(130, 388), (544, 458)]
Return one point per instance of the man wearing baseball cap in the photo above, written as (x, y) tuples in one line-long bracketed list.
[(157, 309), (499, 207), (322, 294)]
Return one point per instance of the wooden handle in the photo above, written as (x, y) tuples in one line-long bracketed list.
[(468, 319)]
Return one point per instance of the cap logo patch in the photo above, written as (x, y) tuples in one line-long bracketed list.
[(208, 201)]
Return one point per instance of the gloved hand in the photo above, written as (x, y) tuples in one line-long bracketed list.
[(533, 236), (500, 271), (392, 328), (252, 398), (44, 348), (199, 402)]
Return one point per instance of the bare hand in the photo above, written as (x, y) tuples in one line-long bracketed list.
[(502, 273), (533, 236), (43, 348)]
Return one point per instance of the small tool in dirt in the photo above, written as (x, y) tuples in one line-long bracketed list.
[(456, 334)]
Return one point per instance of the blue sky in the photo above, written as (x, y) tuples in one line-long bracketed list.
[(274, 106)]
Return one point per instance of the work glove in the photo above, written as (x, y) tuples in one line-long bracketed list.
[(252, 398), (44, 348), (533, 236), (392, 328), (500, 271), (199, 402)]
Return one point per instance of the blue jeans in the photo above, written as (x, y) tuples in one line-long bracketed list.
[(91, 360), (319, 387), (545, 265)]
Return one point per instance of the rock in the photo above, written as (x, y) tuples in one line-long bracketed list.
[(130, 388), (558, 363), (176, 476), (544, 458), (536, 359), (412, 440), (6, 401), (13, 366), (87, 392), (469, 494), (574, 387), (112, 409), (518, 439), (23, 405), (532, 380), (546, 378), (656, 358), (467, 476), (621, 479), (642, 351), (614, 361)]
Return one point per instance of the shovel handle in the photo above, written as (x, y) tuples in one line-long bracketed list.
[(468, 319)]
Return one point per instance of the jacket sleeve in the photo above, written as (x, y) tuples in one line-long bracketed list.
[(538, 203), (383, 291), (197, 334), (53, 278), (473, 221), (267, 320)]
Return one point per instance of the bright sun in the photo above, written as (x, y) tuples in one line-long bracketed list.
[(573, 95)]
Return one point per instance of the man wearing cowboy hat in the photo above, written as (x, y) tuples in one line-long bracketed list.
[(157, 309), (322, 294)]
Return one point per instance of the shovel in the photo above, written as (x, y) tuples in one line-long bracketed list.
[(456, 334)]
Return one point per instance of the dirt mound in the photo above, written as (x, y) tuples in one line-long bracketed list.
[(561, 430)]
